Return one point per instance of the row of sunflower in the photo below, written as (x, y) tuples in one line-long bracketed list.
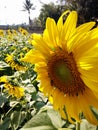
[(13, 103), (21, 102)]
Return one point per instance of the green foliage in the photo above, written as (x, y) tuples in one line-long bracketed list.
[(5, 69), (87, 9), (45, 120), (28, 5), (49, 10)]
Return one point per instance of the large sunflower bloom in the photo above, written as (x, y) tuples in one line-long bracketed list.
[(66, 60)]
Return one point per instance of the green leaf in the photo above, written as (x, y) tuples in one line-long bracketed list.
[(95, 112), (3, 100), (55, 118), (64, 129), (40, 128), (3, 64), (5, 124), (40, 121), (17, 118), (85, 125)]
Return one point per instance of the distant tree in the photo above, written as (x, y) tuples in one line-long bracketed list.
[(50, 10), (28, 6), (36, 23), (87, 9)]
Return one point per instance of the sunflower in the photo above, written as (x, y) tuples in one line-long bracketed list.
[(66, 61), (15, 64), (3, 79), (23, 31), (1, 33), (14, 90)]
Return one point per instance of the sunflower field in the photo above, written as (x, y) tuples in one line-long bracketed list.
[(22, 105), (26, 106)]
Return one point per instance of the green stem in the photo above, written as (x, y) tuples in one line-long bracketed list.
[(77, 126)]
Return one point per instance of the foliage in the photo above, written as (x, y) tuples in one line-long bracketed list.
[(36, 23), (16, 111), (87, 9), (55, 10), (50, 10)]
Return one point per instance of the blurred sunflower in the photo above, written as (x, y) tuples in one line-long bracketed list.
[(66, 61), (15, 33), (9, 37), (23, 31), (14, 64), (9, 32), (3, 79), (12, 89), (1, 33)]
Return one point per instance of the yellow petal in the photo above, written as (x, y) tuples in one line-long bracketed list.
[(85, 106), (89, 41), (72, 107), (41, 45), (85, 27), (90, 84), (79, 36), (33, 56), (60, 21), (69, 27), (52, 32), (90, 74)]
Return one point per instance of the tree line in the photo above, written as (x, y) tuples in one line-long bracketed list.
[(87, 10)]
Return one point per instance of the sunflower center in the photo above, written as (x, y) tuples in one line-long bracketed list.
[(63, 73)]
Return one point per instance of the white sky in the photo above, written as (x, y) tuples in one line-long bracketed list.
[(10, 11)]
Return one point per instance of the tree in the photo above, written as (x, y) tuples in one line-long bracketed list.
[(87, 9), (28, 6), (50, 10)]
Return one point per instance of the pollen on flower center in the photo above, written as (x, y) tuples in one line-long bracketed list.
[(63, 73)]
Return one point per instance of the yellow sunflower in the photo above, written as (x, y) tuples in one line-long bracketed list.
[(23, 31), (3, 79), (14, 90), (1, 33), (66, 60), (14, 64)]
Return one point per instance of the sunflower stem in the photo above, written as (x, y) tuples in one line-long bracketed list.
[(77, 126)]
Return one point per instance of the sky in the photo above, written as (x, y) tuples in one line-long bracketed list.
[(11, 11)]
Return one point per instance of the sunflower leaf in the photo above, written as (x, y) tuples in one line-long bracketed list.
[(5, 124), (3, 100), (64, 129), (40, 121), (55, 118)]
